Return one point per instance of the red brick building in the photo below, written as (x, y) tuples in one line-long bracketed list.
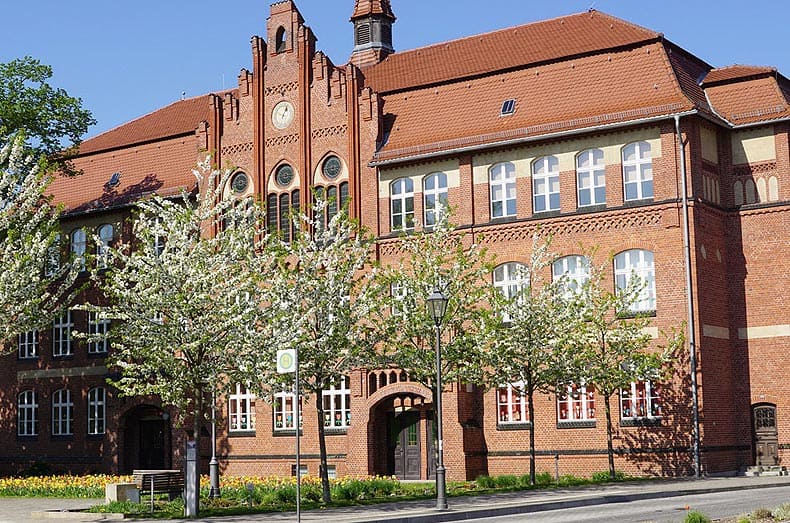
[(586, 126)]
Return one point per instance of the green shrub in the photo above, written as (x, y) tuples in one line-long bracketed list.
[(603, 476), (350, 490), (569, 480), (485, 482), (761, 513), (696, 517), (543, 479), (506, 481), (782, 512)]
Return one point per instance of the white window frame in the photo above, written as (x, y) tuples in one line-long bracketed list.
[(510, 279), (98, 326), (337, 416), (284, 406), (642, 400), (546, 184), (398, 291), (402, 194), (434, 198), (27, 344), (241, 410), (106, 233), (27, 413), (637, 171), (582, 408), (62, 413), (511, 405), (575, 274), (639, 264), (591, 178), (53, 256), (502, 187), (61, 335), (79, 242), (97, 411)]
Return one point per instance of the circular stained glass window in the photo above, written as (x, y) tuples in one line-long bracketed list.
[(239, 183), (284, 175), (331, 167)]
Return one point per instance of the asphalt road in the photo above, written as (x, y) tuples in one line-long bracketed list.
[(667, 510)]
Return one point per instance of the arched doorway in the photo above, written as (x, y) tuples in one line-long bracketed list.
[(147, 439), (401, 434), (766, 435)]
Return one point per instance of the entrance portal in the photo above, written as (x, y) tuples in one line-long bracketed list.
[(403, 444), (147, 440), (766, 436)]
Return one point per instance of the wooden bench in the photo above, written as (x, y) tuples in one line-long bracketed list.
[(152, 482)]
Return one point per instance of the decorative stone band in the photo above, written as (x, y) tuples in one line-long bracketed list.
[(59, 373), (767, 331), (712, 331)]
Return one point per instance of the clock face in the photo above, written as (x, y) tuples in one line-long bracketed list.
[(283, 115)]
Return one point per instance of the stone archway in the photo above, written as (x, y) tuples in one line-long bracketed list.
[(147, 442)]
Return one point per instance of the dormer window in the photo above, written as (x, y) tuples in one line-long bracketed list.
[(279, 40), (508, 107)]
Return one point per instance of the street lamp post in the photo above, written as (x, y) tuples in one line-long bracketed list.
[(213, 465), (437, 305)]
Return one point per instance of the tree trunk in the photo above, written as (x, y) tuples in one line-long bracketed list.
[(531, 408), (324, 473), (609, 447)]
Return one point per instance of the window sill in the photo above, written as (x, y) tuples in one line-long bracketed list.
[(31, 359), (640, 422), (595, 207), (335, 431), (96, 437), (638, 202), (97, 355), (286, 433), (241, 433), (63, 357), (630, 315), (546, 214), (586, 424), (514, 426), (62, 437)]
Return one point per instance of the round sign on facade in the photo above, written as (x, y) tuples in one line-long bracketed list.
[(286, 361)]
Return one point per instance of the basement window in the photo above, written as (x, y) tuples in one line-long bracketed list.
[(508, 107)]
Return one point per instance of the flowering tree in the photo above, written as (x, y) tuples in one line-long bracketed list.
[(33, 282), (526, 349), (611, 344), (178, 295), (318, 301)]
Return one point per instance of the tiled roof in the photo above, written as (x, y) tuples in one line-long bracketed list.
[(372, 7), (177, 118), (735, 72), (614, 87), (529, 44), (754, 100)]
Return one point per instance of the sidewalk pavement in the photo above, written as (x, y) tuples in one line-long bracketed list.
[(490, 505)]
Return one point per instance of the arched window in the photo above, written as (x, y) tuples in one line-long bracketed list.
[(546, 184), (636, 268), (510, 278), (97, 410), (434, 194), (502, 185), (402, 204), (103, 247), (53, 256), (762, 190), (737, 192), (751, 191), (285, 217), (27, 413), (574, 271), (78, 243), (591, 177), (773, 189), (62, 413), (279, 40), (637, 171)]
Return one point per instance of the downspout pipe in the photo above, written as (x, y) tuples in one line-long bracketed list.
[(692, 336)]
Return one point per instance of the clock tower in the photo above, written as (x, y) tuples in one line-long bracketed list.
[(373, 21)]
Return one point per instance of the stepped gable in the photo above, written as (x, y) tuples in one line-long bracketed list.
[(373, 7), (748, 94), (178, 118), (534, 43)]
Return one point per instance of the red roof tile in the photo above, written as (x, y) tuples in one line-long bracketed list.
[(615, 87), (750, 101), (736, 72), (372, 7), (529, 44), (178, 118)]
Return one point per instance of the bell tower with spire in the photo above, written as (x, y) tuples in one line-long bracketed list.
[(373, 21)]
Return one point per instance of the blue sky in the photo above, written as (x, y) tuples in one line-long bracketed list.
[(128, 58)]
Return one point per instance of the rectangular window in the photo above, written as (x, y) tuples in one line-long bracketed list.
[(98, 327), (546, 184), (27, 343), (241, 410), (62, 413), (285, 411), (502, 185), (511, 405), (337, 406), (641, 400), (61, 335), (97, 410), (576, 403), (591, 178), (27, 413)]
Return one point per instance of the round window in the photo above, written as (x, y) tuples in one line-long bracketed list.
[(331, 167), (239, 183), (284, 175)]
